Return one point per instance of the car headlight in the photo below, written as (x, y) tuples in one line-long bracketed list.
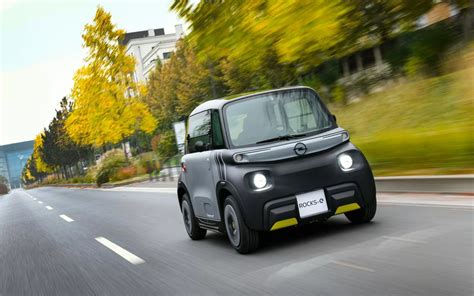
[(259, 180), (345, 162)]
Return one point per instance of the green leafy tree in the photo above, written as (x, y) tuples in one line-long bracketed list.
[(194, 85), (161, 96), (374, 21), (58, 149), (177, 87), (303, 34), (106, 107), (164, 145), (248, 33)]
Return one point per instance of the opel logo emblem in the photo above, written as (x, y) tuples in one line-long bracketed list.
[(300, 149)]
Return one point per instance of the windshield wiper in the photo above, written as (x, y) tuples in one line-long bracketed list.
[(281, 138)]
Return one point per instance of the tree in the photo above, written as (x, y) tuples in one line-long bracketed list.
[(58, 149), (165, 145), (40, 165), (30, 173), (177, 87), (376, 21), (302, 34), (174, 90), (106, 107), (161, 96), (193, 85)]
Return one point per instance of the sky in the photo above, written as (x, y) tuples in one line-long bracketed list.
[(41, 48)]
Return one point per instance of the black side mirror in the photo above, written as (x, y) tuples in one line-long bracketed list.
[(334, 118), (199, 146)]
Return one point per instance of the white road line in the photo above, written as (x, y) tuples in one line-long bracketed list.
[(28, 194), (40, 202), (49, 208), (407, 240), (429, 203), (139, 189), (66, 218), (345, 264), (34, 198), (120, 251)]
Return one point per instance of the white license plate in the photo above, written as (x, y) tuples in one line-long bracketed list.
[(311, 203)]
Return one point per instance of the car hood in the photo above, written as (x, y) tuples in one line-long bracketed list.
[(294, 148)]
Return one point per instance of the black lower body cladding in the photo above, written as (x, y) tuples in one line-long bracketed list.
[(261, 209)]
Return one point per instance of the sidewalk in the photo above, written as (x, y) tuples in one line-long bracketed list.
[(430, 199), (154, 184), (449, 184)]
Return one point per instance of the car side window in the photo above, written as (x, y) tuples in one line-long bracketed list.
[(199, 130), (217, 138)]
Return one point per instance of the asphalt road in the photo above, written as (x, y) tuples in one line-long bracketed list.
[(134, 243)]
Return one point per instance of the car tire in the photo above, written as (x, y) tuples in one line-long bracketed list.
[(365, 214), (190, 222), (241, 237)]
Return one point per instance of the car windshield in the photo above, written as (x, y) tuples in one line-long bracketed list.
[(275, 116)]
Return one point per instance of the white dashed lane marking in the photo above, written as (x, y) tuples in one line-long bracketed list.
[(49, 208), (402, 239), (66, 218), (120, 251), (28, 194), (345, 264), (40, 202)]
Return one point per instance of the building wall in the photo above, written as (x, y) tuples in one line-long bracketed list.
[(13, 158), (150, 48)]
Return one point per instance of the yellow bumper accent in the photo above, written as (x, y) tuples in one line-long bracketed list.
[(347, 208), (284, 223)]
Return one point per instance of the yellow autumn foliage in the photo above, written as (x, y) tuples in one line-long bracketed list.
[(41, 166), (106, 106)]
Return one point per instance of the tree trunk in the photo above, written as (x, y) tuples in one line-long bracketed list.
[(124, 146), (378, 55)]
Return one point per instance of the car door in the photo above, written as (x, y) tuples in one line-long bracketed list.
[(200, 165)]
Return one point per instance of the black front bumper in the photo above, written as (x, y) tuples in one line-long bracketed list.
[(286, 208), (300, 175)]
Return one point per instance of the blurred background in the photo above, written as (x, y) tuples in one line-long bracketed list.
[(397, 74)]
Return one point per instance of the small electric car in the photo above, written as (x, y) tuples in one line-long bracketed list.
[(266, 161)]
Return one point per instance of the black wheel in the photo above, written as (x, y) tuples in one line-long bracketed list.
[(364, 214), (242, 238), (192, 227)]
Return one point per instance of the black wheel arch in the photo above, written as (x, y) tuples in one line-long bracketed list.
[(182, 190), (224, 189)]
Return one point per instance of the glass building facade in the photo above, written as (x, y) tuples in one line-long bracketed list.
[(13, 158)]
